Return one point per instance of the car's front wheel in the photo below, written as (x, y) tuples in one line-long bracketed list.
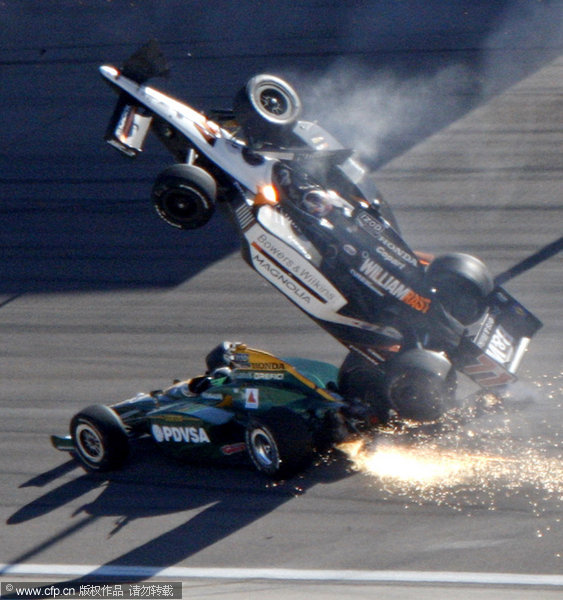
[(184, 196), (462, 284), (99, 438), (279, 443)]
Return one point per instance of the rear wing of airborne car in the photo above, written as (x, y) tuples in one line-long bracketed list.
[(130, 122)]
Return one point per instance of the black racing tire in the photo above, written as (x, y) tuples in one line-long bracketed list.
[(266, 108), (184, 196), (420, 385), (279, 443), (360, 380), (462, 283), (99, 438)]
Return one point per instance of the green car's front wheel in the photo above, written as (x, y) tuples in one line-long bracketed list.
[(99, 438), (279, 443)]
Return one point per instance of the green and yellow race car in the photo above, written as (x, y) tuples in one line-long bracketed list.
[(279, 412)]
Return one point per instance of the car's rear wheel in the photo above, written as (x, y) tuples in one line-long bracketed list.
[(462, 283), (184, 196), (420, 395), (266, 108), (99, 438), (420, 385), (279, 443)]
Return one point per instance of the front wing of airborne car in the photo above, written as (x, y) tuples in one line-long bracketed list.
[(492, 354)]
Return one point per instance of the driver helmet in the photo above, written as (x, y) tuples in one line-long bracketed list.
[(222, 373), (317, 202)]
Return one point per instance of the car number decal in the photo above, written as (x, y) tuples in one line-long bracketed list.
[(501, 346)]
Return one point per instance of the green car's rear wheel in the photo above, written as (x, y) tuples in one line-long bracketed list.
[(279, 443)]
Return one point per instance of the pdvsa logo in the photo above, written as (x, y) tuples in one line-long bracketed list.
[(189, 435)]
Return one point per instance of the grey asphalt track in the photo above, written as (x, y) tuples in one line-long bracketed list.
[(99, 299)]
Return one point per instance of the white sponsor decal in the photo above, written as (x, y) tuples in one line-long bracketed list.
[(386, 256), (398, 251), (370, 223), (269, 376), (281, 279), (485, 333), (285, 268), (383, 279), (376, 229), (276, 250), (303, 295), (190, 435), (212, 396), (371, 272), (294, 264)]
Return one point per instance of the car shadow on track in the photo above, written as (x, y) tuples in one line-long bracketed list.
[(227, 498)]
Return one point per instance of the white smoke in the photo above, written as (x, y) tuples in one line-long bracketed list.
[(372, 110), (382, 112)]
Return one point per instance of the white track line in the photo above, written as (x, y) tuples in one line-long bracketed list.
[(314, 575)]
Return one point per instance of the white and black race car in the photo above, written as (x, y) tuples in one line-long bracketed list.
[(312, 222)]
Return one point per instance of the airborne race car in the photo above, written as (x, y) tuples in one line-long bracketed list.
[(312, 222), (276, 412)]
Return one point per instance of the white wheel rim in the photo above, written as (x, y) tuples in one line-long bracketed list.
[(89, 443), (264, 448)]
